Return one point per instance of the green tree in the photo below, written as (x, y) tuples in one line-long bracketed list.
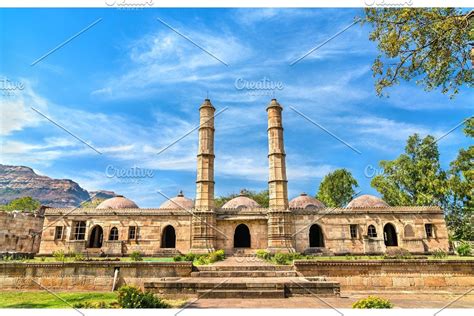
[(26, 203), (430, 45), (92, 203), (460, 209), (415, 177), (262, 197), (337, 188)]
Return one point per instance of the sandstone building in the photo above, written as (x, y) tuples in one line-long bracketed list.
[(366, 226)]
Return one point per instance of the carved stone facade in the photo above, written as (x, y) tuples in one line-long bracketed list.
[(366, 226)]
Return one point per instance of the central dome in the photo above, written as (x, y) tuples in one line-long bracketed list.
[(117, 202), (178, 202), (367, 201), (305, 201), (241, 201)]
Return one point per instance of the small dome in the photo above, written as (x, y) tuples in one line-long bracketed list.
[(178, 202), (117, 202), (305, 201), (241, 201), (367, 201)]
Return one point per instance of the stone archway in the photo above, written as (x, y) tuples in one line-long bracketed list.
[(168, 239), (242, 237), (316, 238), (96, 237), (390, 235)]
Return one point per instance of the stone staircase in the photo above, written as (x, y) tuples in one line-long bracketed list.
[(244, 280)]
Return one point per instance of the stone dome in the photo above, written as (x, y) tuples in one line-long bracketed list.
[(305, 201), (117, 202), (179, 202), (367, 201), (241, 201)]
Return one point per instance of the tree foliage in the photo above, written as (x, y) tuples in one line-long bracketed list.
[(337, 188), (26, 203), (415, 177), (262, 197), (92, 203), (460, 211), (430, 45)]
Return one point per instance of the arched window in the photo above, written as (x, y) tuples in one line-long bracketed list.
[(113, 234), (408, 231), (371, 231), (390, 235), (95, 237), (242, 237)]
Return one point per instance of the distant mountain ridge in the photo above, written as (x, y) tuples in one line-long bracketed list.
[(20, 181)]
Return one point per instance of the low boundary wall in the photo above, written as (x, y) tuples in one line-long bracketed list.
[(393, 275), (91, 276)]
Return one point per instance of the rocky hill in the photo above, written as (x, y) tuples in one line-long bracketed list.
[(20, 181)]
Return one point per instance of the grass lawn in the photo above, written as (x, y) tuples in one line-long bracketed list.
[(43, 299)]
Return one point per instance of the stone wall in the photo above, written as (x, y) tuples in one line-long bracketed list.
[(20, 232), (409, 224), (393, 275), (91, 276)]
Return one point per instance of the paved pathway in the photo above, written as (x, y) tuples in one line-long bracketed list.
[(400, 300)]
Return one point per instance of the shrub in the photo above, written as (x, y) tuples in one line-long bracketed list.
[(464, 249), (136, 256), (178, 258), (100, 304), (79, 257), (372, 302), (281, 258), (217, 255), (263, 254), (59, 255), (189, 257), (439, 254), (132, 297)]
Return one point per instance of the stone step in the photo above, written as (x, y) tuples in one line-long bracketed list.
[(244, 274), (246, 268), (203, 294)]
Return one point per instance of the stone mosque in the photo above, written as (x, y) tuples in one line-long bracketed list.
[(367, 225)]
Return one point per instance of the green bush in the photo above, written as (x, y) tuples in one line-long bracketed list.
[(100, 304), (439, 254), (372, 302), (217, 255), (132, 297), (178, 258), (189, 257), (79, 257), (59, 255), (464, 249), (136, 256), (263, 254)]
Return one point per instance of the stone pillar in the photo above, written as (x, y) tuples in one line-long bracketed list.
[(279, 216), (203, 221)]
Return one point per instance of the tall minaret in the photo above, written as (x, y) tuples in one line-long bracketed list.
[(203, 220), (277, 182), (280, 237), (205, 158)]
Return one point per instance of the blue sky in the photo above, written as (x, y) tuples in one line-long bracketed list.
[(130, 86)]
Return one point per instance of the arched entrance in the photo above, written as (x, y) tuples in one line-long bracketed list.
[(390, 235), (96, 237), (242, 236), (168, 239), (316, 238)]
